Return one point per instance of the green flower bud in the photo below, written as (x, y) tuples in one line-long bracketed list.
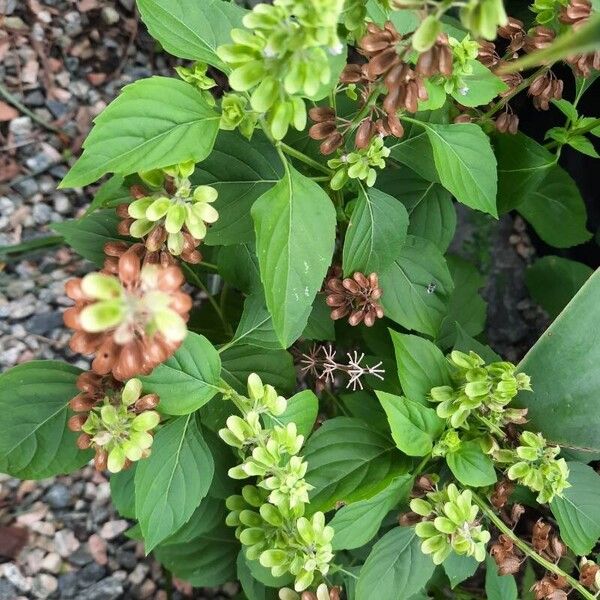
[(116, 459), (145, 421), (131, 392), (421, 507), (248, 75), (101, 286), (137, 209), (426, 34), (272, 558), (158, 209), (171, 325), (101, 316)]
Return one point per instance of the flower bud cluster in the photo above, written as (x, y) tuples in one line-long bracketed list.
[(269, 516), (133, 321), (282, 57), (463, 53), (118, 426), (534, 464), (235, 114), (174, 212), (479, 390), (196, 76), (359, 164), (321, 593), (589, 574), (449, 522)]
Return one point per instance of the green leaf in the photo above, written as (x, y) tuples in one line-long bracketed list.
[(466, 306), (172, 481), (563, 366), (465, 343), (430, 207), (140, 131), (556, 210), (357, 524), (482, 85), (292, 270), (348, 461), (375, 234), (238, 266), (206, 561), (254, 589), (188, 379), (522, 166), (396, 567), (88, 235), (421, 366), (256, 325), (302, 409), (552, 281), (320, 325), (35, 441), (583, 145), (110, 194), (209, 511), (498, 587), (566, 108), (273, 366), (578, 510), (459, 567), (122, 491), (190, 29), (465, 163), (471, 466), (241, 171), (416, 287), (414, 427)]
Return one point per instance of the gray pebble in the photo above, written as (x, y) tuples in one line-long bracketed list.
[(7, 591), (58, 496), (107, 589)]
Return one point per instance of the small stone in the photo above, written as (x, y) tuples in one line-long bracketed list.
[(42, 214), (20, 127), (67, 585), (38, 512), (66, 543), (52, 563), (58, 109), (109, 15), (97, 547), (128, 560), (34, 99), (147, 590), (112, 529), (90, 574), (58, 495), (44, 585), (44, 528), (14, 576), (127, 4), (139, 574), (42, 324), (34, 559), (80, 557), (62, 204), (107, 589), (7, 591), (26, 187)]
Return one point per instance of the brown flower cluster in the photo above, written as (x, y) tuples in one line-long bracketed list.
[(131, 343), (507, 556), (589, 574), (355, 297), (551, 587), (93, 389), (325, 129), (576, 14), (545, 88), (155, 240)]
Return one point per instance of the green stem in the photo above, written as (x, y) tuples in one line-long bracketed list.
[(504, 101), (338, 569), (303, 158), (526, 549), (200, 284), (31, 245)]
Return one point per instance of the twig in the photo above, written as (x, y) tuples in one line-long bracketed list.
[(21, 107)]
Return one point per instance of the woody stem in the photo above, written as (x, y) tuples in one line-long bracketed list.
[(526, 549)]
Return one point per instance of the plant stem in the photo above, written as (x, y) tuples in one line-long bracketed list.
[(169, 584), (526, 549), (31, 245), (307, 160), (504, 101), (199, 283)]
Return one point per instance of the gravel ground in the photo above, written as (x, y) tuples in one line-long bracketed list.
[(63, 61)]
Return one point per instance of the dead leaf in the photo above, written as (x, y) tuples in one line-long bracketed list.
[(7, 112), (12, 541)]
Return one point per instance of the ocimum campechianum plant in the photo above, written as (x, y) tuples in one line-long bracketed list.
[(285, 382)]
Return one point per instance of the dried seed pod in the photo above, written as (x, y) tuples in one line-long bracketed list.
[(364, 133), (588, 574), (502, 491), (540, 538), (575, 12), (356, 296), (539, 38), (487, 54), (322, 114), (507, 123)]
